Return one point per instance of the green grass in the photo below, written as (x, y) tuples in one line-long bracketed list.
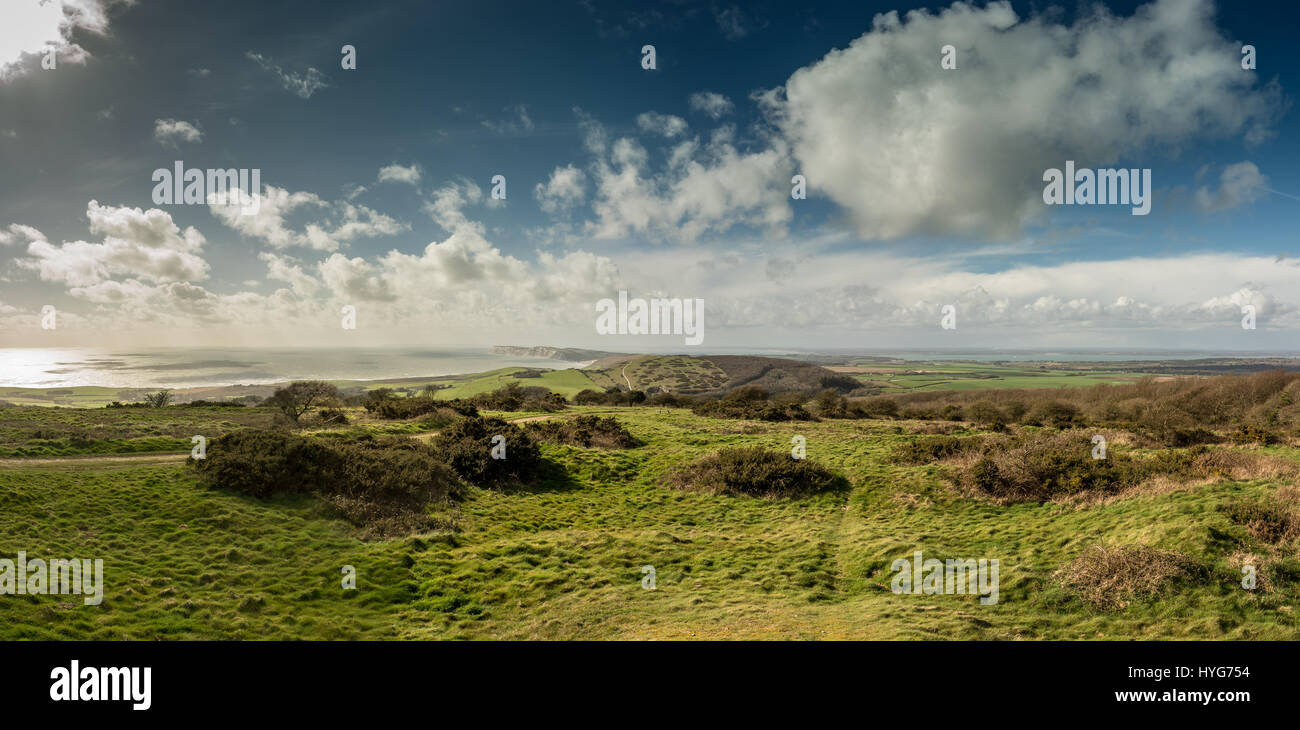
[(35, 431), (182, 562), (85, 396), (562, 560), (977, 376)]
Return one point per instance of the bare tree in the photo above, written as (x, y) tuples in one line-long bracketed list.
[(159, 399)]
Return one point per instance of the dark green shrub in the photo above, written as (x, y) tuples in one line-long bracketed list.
[(583, 431), (1054, 413), (261, 463), (752, 410), (467, 445), (986, 414), (757, 472), (513, 397), (332, 417), (935, 448), (404, 408), (1040, 467), (380, 484), (1252, 434)]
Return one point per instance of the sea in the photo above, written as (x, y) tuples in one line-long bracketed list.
[(191, 367), (199, 367)]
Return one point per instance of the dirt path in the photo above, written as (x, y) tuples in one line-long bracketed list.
[(152, 458)]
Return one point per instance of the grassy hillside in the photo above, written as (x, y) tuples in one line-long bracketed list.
[(565, 560)]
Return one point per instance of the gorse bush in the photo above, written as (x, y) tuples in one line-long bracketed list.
[(1041, 467), (380, 484), (404, 408), (513, 397), (757, 472), (467, 445), (616, 397), (1272, 519), (753, 410), (583, 431), (261, 463), (936, 448)]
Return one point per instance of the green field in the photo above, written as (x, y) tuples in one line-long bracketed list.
[(972, 376), (563, 559)]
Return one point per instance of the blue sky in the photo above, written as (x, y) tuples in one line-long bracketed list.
[(923, 183)]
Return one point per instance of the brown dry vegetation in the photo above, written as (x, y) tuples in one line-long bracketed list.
[(1040, 466), (1254, 408), (1109, 577)]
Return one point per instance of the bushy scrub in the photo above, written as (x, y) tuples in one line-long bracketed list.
[(513, 397), (263, 463), (1272, 519), (584, 431), (753, 410), (380, 484), (404, 408), (1041, 467), (757, 472), (467, 446), (936, 448)]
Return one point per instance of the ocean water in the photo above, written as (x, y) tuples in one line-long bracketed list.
[(185, 368)]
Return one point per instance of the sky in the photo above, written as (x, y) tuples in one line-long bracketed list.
[(924, 173)]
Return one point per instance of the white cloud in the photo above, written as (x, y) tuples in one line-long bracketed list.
[(169, 131), (445, 208), (342, 223), (563, 190), (665, 125), (711, 103), (909, 148), (302, 85), (19, 235), (703, 187), (144, 244), (35, 28), (838, 294), (397, 173), (283, 268), (1239, 184)]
